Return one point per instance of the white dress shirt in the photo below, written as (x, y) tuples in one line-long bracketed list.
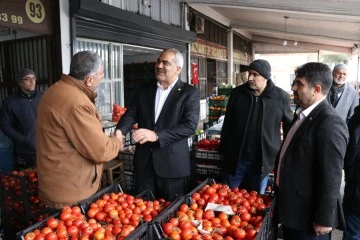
[(161, 96)]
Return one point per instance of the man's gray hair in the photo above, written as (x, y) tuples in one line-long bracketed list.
[(340, 66), (84, 64), (179, 59)]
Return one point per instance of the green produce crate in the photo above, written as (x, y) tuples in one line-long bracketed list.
[(218, 103), (224, 91)]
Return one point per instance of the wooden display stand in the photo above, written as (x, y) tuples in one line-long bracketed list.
[(114, 171)]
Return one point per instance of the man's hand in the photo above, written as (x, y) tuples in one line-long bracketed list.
[(119, 135), (143, 135), (321, 230)]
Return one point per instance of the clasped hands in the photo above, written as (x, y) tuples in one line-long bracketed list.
[(321, 230), (140, 135)]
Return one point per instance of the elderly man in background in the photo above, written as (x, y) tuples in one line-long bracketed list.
[(341, 96), (71, 146)]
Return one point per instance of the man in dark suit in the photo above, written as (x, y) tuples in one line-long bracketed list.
[(311, 160), (167, 113)]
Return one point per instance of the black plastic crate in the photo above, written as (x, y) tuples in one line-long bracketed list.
[(19, 196), (208, 155), (140, 233), (128, 158), (200, 137), (129, 140), (146, 195), (203, 172), (130, 182), (155, 229), (20, 235)]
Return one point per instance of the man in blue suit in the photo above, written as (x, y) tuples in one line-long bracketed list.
[(167, 113)]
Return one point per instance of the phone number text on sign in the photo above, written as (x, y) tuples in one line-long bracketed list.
[(4, 17)]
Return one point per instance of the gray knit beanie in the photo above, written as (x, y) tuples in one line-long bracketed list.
[(22, 73), (262, 67)]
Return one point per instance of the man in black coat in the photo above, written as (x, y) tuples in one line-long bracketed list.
[(311, 159), (167, 113), (351, 201), (251, 136), (18, 118)]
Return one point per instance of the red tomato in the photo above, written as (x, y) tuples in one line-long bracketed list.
[(223, 216), (51, 236), (167, 228), (186, 234), (195, 196), (210, 190), (235, 220), (174, 235), (239, 233), (46, 230), (185, 225), (72, 231), (250, 233), (61, 233), (40, 236), (52, 223), (174, 222), (100, 216), (184, 207), (29, 236), (209, 214), (99, 235), (76, 210), (245, 217), (65, 216)]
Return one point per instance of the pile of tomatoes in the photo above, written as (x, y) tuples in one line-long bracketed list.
[(113, 216), (208, 144), (194, 221), (117, 112), (21, 186)]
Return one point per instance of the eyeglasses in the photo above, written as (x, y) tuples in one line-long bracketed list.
[(29, 79)]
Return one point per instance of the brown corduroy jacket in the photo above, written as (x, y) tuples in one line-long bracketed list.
[(70, 144)]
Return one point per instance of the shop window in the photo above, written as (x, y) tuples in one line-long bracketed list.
[(110, 90)]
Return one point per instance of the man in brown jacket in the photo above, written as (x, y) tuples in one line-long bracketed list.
[(70, 144)]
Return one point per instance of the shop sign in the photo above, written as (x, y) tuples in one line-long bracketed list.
[(28, 15), (207, 49), (241, 57)]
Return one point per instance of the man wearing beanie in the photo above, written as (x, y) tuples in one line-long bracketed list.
[(250, 136), (18, 118), (341, 96)]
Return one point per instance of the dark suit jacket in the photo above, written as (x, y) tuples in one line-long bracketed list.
[(311, 169), (177, 121)]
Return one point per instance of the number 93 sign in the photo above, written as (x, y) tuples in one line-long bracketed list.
[(35, 11)]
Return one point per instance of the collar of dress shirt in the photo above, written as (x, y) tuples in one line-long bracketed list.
[(170, 86), (304, 113)]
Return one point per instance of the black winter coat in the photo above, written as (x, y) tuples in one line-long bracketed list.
[(18, 120), (274, 110), (352, 165)]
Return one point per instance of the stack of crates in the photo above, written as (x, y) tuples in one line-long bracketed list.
[(20, 206), (208, 164), (128, 159), (217, 107)]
